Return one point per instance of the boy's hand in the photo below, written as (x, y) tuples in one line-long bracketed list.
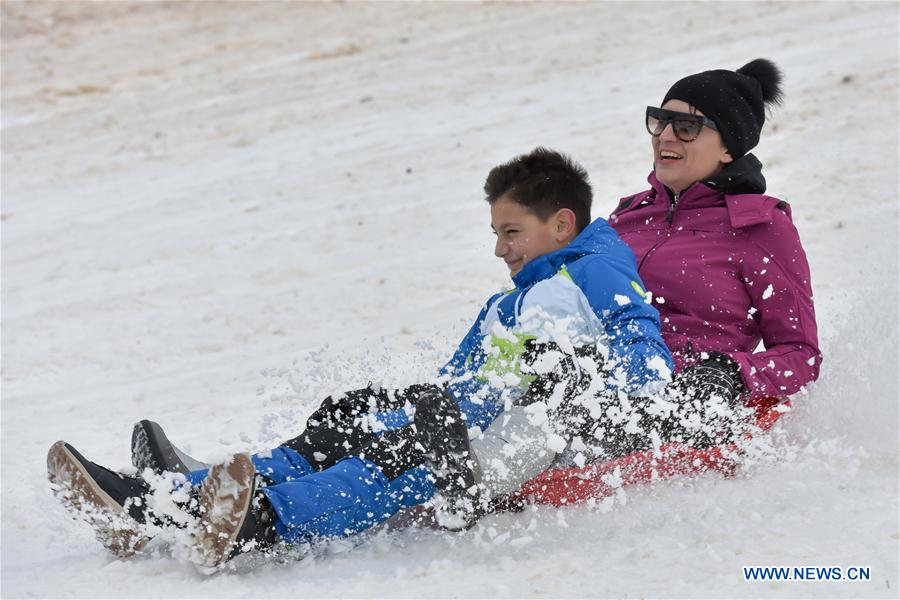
[(552, 366)]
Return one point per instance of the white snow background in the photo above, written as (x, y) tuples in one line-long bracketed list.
[(215, 214)]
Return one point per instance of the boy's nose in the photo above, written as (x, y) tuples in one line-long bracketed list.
[(500, 249)]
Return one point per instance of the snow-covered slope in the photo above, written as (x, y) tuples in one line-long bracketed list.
[(215, 214)]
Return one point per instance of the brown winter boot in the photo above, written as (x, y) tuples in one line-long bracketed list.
[(112, 503), (235, 516)]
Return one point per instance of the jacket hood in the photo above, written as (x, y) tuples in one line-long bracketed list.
[(597, 238)]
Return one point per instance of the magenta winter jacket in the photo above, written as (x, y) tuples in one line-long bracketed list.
[(726, 272)]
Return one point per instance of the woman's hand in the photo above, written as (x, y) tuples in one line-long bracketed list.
[(718, 375)]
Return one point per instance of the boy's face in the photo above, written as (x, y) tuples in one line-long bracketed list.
[(522, 236)]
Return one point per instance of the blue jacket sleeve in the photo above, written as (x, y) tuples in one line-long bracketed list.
[(615, 292)]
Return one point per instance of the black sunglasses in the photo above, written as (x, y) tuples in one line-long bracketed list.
[(686, 126)]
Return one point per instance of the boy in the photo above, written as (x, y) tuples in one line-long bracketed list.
[(572, 340)]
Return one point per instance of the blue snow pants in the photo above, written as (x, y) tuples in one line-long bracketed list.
[(349, 497)]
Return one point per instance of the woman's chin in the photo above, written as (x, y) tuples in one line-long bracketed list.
[(669, 179), (666, 174)]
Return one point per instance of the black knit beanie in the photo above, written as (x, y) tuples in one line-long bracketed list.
[(735, 100)]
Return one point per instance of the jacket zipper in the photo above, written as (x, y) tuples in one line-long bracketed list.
[(671, 214)]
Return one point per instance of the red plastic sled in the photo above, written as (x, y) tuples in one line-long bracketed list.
[(570, 485)]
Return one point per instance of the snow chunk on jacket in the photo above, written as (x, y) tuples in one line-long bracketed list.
[(588, 291), (727, 271)]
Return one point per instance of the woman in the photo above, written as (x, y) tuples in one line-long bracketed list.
[(723, 260)]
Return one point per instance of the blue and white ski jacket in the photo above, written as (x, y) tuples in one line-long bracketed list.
[(586, 293)]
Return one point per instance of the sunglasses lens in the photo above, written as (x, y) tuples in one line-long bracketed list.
[(687, 131), (686, 128), (654, 125)]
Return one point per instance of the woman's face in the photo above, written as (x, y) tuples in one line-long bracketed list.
[(678, 164)]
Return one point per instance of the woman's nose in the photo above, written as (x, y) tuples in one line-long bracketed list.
[(668, 133)]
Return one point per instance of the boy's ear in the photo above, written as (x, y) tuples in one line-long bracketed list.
[(565, 225)]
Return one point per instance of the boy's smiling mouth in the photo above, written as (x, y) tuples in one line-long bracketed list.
[(513, 264)]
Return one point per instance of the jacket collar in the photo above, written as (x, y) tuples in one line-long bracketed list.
[(597, 238), (536, 270), (739, 186), (743, 176)]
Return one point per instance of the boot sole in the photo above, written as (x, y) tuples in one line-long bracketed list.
[(224, 503), (112, 524)]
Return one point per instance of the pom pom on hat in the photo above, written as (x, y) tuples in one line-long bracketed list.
[(769, 77)]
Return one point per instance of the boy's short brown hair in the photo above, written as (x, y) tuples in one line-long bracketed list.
[(544, 181)]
